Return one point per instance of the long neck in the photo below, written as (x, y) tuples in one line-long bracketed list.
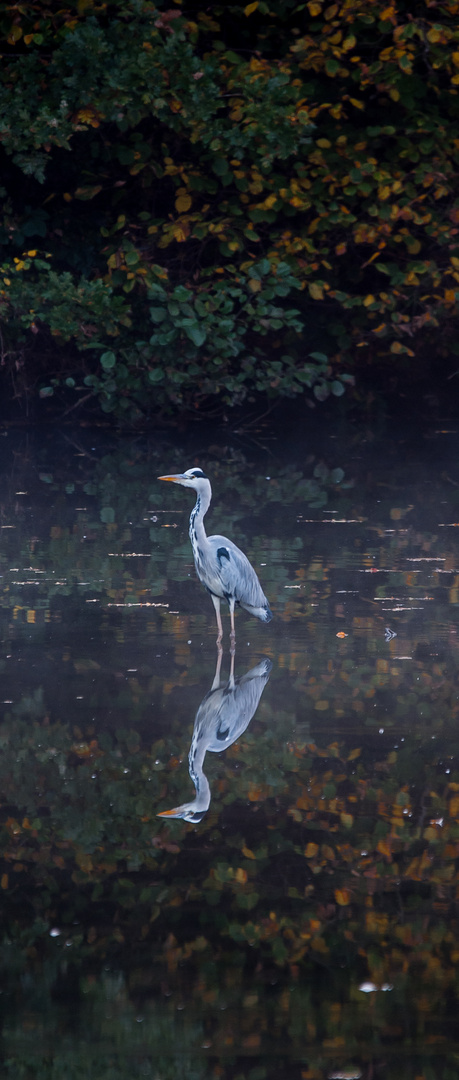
[(198, 776), (197, 531)]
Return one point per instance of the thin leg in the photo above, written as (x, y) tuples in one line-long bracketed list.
[(216, 603), (233, 630), (216, 682)]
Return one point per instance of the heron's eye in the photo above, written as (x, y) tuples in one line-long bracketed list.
[(198, 474)]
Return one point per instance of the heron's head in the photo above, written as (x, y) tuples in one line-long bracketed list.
[(192, 478), (188, 812)]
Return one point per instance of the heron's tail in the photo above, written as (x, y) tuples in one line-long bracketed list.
[(264, 613)]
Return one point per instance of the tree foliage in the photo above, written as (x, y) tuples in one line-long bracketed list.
[(173, 174)]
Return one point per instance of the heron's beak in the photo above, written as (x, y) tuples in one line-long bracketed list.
[(177, 809), (176, 478)]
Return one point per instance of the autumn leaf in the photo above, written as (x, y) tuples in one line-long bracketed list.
[(342, 897), (316, 290), (183, 203)]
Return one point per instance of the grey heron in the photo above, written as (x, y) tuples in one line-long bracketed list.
[(220, 565), (223, 715)]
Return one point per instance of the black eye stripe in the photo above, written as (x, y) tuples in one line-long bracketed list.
[(199, 474)]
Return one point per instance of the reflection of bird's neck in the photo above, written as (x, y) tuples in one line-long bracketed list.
[(196, 760), (197, 531)]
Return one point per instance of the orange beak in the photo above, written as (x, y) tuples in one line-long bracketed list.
[(176, 478)]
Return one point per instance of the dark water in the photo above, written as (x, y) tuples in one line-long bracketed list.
[(306, 924)]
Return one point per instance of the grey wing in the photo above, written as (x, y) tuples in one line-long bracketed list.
[(237, 706), (235, 574)]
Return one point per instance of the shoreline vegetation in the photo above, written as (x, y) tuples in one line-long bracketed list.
[(202, 210)]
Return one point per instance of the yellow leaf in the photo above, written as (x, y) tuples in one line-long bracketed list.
[(314, 8), (383, 846), (19, 264), (254, 285), (248, 853), (380, 328), (450, 296), (354, 754), (183, 203), (321, 706), (250, 8), (383, 192), (28, 38), (455, 58), (311, 850), (4, 881), (324, 144), (368, 300), (356, 103), (396, 347), (315, 290), (349, 43), (180, 233), (14, 35), (241, 875), (342, 897), (394, 94), (453, 808), (347, 820)]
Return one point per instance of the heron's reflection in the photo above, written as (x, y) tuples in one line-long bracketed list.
[(222, 717)]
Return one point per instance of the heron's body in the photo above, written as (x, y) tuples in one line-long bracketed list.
[(223, 715), (221, 566)]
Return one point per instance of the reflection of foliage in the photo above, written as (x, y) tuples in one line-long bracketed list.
[(370, 845), (321, 863)]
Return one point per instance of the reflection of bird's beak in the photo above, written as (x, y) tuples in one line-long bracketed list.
[(176, 478)]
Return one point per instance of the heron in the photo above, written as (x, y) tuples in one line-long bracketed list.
[(223, 715), (221, 566)]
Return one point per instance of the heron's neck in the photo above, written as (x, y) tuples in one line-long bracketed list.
[(197, 531), (198, 776)]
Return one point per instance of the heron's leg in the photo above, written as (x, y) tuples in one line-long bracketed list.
[(233, 630), (216, 682), (216, 603)]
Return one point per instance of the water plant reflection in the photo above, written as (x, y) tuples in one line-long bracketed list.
[(223, 715)]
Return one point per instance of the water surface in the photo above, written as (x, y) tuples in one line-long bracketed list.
[(305, 923)]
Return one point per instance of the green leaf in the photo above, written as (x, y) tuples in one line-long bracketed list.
[(158, 314), (108, 360), (337, 475), (196, 334), (323, 359), (337, 388), (182, 294)]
